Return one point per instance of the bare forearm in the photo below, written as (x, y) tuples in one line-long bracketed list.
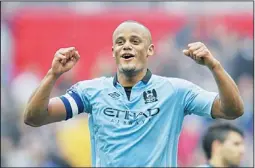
[(231, 103), (36, 109)]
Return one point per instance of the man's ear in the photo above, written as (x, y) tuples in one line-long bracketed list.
[(113, 53), (216, 145), (150, 51)]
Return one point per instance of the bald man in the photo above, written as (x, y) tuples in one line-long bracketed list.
[(135, 117)]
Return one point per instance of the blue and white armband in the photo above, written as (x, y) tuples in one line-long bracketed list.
[(73, 104)]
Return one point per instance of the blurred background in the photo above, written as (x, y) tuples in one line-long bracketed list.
[(31, 32)]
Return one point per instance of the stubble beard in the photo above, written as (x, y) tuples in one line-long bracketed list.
[(129, 70)]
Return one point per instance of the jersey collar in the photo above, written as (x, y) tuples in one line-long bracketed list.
[(145, 79)]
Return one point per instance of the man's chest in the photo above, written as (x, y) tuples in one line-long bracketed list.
[(112, 107)]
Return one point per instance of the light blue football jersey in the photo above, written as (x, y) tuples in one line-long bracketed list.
[(142, 131)]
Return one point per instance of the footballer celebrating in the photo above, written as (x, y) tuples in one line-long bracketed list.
[(135, 117)]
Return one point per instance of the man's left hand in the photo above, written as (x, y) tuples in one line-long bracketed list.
[(199, 52)]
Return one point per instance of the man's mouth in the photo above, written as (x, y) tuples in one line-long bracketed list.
[(127, 56)]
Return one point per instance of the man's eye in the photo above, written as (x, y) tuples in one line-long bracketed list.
[(119, 42), (136, 41)]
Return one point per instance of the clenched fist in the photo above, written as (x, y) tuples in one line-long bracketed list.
[(199, 52), (64, 60)]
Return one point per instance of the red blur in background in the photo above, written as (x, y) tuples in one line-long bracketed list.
[(39, 33)]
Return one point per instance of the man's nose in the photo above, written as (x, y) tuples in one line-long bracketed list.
[(242, 149), (127, 46)]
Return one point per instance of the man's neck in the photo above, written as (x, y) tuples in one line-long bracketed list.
[(216, 161), (130, 81)]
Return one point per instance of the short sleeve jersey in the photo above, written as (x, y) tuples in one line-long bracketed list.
[(143, 130)]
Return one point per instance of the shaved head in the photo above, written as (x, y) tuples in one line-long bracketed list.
[(132, 45), (135, 25)]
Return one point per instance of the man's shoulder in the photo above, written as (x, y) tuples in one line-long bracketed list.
[(99, 82), (171, 80), (167, 78), (178, 84)]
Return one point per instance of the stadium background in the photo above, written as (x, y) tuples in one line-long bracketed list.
[(31, 32)]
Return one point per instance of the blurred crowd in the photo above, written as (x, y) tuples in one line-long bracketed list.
[(67, 143)]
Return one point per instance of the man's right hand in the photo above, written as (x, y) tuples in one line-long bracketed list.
[(40, 109), (64, 60)]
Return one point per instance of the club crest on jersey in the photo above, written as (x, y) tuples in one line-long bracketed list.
[(150, 96)]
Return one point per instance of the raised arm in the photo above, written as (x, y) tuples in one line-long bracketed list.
[(229, 104), (40, 109)]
